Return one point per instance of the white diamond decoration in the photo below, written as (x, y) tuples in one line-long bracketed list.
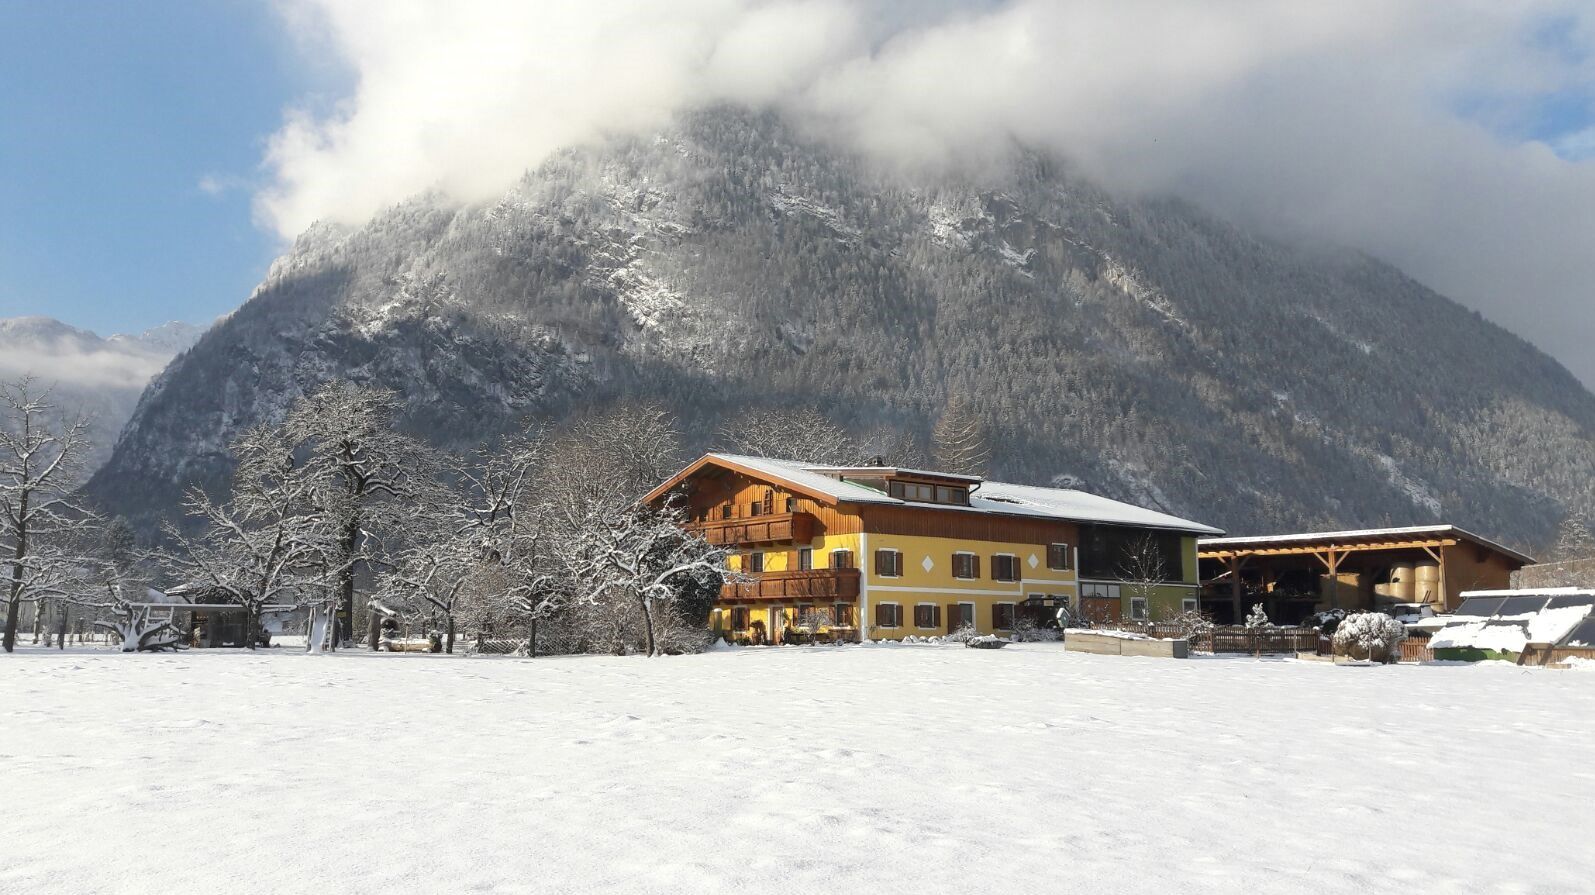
[(1033, 561), (927, 565)]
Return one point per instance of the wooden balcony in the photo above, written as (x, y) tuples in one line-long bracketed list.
[(817, 585), (768, 529)]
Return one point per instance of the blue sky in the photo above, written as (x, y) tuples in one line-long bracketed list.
[(113, 114), (116, 113)]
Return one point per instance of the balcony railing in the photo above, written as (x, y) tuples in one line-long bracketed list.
[(817, 584), (768, 529)]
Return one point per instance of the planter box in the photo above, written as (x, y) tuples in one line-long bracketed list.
[(1106, 645)]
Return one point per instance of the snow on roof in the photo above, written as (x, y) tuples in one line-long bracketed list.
[(989, 497), (1080, 506), (803, 474), (1517, 618), (1355, 534)]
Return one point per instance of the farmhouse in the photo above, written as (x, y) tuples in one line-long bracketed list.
[(833, 552), (1294, 575)]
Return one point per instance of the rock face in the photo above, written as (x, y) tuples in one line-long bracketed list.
[(1136, 347), (99, 378)]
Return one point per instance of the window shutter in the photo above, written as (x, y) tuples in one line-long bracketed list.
[(935, 620), (883, 615), (897, 564)]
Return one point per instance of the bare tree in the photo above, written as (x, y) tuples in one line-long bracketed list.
[(1573, 540), (643, 556), (958, 441), (801, 433), (40, 516), (267, 544), (364, 470), (1143, 568)]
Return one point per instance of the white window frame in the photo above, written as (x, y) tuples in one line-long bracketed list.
[(1019, 572), (958, 577), (1146, 609), (751, 554), (1190, 604), (1068, 556), (932, 626), (809, 551)]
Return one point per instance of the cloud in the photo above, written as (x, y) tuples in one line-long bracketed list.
[(62, 363), (1364, 122)]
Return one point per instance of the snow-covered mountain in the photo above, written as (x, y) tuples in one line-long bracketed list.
[(101, 378), (1138, 347)]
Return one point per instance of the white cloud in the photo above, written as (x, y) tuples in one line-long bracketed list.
[(1337, 120)]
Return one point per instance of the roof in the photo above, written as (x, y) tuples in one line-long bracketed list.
[(997, 498), (1362, 535)]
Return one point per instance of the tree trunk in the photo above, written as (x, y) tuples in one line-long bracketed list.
[(648, 625), (448, 645), (374, 629), (349, 540), (531, 640), (60, 632)]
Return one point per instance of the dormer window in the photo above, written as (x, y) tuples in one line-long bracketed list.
[(919, 492)]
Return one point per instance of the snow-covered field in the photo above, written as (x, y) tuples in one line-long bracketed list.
[(863, 769)]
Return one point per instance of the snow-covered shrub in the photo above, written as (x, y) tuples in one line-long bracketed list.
[(962, 635), (1027, 631), (1257, 618), (1326, 621), (1191, 625), (1373, 636)]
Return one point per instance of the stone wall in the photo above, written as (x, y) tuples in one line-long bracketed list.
[(1570, 573)]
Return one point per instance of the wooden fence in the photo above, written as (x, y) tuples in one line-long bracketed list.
[(1231, 638)]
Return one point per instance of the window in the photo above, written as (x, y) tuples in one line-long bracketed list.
[(753, 563), (791, 504), (966, 565), (1002, 616), (945, 494), (888, 615), (1005, 567), (1100, 591), (841, 559), (1107, 551), (843, 614), (725, 511), (923, 493), (1058, 557), (927, 615), (1188, 604), (960, 615), (805, 559), (888, 563), (739, 618), (1138, 608)]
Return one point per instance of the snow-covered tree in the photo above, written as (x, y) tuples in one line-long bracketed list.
[(958, 442), (1258, 617), (365, 473), (640, 556), (1143, 567), (1373, 636), (800, 433), (1573, 540), (268, 544), (41, 516)]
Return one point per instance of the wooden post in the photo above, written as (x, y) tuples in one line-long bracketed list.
[(1235, 596)]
